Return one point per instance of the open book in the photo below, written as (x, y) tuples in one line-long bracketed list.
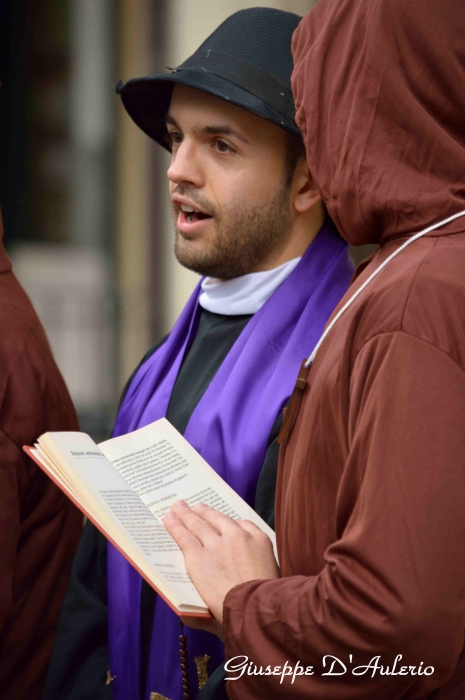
[(127, 484)]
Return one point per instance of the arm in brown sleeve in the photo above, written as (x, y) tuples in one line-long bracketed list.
[(39, 527), (394, 580), (9, 521)]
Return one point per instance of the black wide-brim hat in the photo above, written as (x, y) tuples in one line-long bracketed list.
[(247, 61)]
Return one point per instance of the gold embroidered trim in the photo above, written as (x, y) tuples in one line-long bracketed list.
[(202, 669), (110, 678), (157, 696)]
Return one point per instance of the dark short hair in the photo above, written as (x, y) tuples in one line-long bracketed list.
[(295, 150)]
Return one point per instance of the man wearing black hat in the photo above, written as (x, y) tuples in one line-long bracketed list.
[(249, 218)]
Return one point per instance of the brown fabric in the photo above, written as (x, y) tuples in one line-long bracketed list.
[(371, 496), (370, 511), (39, 528), (380, 95)]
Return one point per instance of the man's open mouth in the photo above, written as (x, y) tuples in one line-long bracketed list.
[(192, 215)]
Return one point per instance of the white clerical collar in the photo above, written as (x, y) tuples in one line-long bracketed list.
[(246, 294)]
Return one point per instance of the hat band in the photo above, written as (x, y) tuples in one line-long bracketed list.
[(246, 76)]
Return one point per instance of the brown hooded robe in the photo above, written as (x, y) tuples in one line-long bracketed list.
[(371, 487), (39, 527)]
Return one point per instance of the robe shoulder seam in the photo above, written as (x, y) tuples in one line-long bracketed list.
[(414, 279), (406, 334)]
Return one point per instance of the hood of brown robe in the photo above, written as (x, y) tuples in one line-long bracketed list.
[(379, 87)]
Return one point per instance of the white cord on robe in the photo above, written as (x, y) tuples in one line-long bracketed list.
[(367, 282)]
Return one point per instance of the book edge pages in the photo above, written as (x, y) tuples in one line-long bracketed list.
[(183, 610), (54, 458)]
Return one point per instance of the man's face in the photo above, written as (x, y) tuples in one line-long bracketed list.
[(227, 180)]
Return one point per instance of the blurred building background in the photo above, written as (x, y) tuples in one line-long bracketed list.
[(83, 191)]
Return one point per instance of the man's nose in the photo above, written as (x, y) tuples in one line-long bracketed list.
[(185, 166)]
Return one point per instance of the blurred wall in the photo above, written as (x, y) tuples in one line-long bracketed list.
[(134, 233), (56, 184)]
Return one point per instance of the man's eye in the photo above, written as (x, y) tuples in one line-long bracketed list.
[(175, 138), (223, 147)]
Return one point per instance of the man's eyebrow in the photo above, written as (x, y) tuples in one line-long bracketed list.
[(215, 129), (223, 130), (169, 120)]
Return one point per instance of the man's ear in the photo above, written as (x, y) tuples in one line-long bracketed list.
[(305, 192)]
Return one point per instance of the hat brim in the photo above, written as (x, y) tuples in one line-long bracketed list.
[(147, 100)]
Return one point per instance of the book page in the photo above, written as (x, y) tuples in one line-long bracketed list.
[(104, 491), (162, 467)]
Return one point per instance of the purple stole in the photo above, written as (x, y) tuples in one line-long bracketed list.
[(230, 428)]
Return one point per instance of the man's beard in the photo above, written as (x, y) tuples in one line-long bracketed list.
[(245, 237)]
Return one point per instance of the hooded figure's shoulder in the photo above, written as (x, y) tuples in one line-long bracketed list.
[(434, 309), (421, 293)]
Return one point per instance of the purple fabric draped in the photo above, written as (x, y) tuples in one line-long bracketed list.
[(230, 428)]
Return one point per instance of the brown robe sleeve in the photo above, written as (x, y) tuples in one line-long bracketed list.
[(39, 527), (394, 578)]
